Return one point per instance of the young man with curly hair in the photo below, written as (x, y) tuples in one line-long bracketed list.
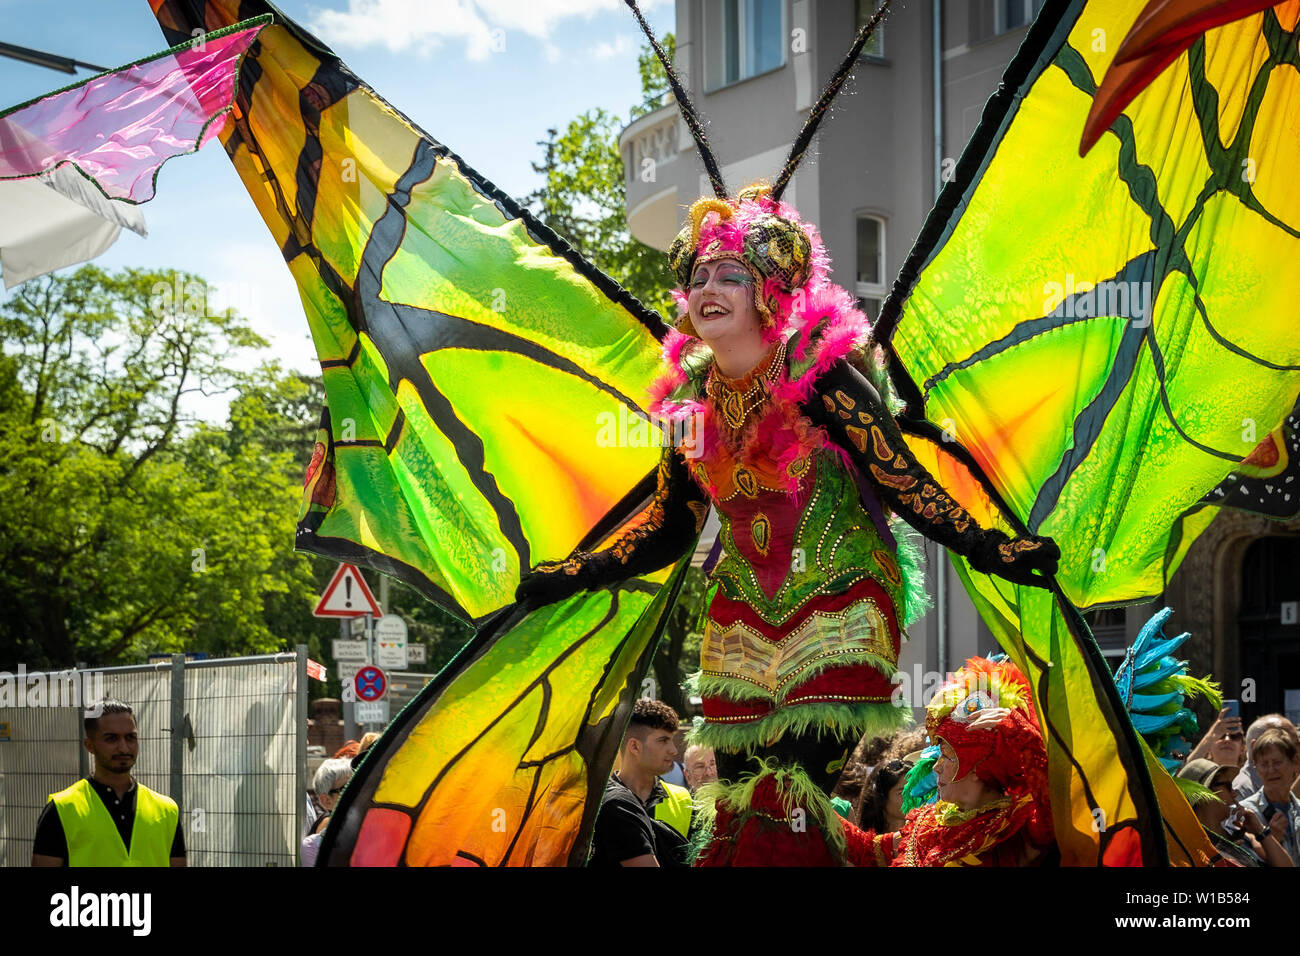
[(642, 820)]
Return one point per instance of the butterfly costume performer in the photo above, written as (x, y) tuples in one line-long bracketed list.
[(803, 461), (466, 350), (1012, 829)]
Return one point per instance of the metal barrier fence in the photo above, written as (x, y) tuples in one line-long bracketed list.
[(226, 739)]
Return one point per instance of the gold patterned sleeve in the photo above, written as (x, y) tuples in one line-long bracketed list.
[(672, 523), (856, 419)]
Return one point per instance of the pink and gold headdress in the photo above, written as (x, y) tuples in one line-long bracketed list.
[(783, 253)]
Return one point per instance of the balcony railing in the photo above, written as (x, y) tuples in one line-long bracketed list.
[(649, 147), (653, 137)]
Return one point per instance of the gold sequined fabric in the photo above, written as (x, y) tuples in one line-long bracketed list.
[(823, 640)]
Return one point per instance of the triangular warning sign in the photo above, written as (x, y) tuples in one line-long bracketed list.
[(347, 595)]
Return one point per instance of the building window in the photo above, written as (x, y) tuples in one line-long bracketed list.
[(746, 38), (1013, 14), (875, 46), (870, 282)]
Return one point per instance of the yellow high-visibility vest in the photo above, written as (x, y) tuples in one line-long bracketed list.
[(675, 809), (93, 838)]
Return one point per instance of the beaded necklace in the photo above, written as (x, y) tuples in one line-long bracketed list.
[(735, 403)]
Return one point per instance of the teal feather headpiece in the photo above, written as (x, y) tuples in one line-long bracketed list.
[(1155, 686)]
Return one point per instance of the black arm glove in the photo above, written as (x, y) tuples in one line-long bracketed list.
[(672, 525), (856, 419)]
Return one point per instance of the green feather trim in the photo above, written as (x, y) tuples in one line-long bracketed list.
[(1200, 687), (734, 688), (704, 815), (871, 362), (797, 790), (920, 770), (1195, 792), (695, 360), (848, 722), (911, 567)]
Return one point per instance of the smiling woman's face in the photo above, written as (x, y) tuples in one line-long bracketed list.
[(1276, 770), (721, 301)]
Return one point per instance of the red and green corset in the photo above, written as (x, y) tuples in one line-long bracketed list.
[(803, 627)]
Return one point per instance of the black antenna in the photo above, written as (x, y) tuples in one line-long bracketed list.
[(823, 103), (686, 106)]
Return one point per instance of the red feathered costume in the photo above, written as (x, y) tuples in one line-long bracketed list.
[(1015, 829)]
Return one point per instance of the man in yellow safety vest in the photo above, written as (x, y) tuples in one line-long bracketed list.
[(108, 818)]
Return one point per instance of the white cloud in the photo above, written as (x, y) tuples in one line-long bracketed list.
[(624, 45), (406, 25), (482, 26), (251, 278), (538, 17)]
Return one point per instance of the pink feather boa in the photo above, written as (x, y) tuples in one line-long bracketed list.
[(823, 326)]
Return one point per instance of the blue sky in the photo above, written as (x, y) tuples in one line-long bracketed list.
[(485, 77)]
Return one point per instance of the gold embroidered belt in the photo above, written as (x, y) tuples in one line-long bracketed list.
[(823, 640)]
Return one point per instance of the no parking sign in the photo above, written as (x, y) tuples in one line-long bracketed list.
[(370, 683)]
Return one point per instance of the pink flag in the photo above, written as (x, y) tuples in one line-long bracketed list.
[(120, 127)]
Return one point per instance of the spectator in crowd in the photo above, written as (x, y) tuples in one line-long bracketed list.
[(367, 741), (677, 775), (872, 751), (1224, 743), (1273, 756), (857, 767), (881, 805), (1247, 782), (310, 812), (700, 765), (109, 818), (643, 821), (331, 777), (848, 788), (349, 750), (1238, 835)]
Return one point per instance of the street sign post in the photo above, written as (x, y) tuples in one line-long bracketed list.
[(372, 712), (347, 595), (349, 651), (348, 598), (390, 642), (370, 683)]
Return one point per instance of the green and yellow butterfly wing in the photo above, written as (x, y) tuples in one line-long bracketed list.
[(486, 407), (1094, 331)]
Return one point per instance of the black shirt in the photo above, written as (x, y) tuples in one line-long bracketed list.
[(52, 841), (626, 828)]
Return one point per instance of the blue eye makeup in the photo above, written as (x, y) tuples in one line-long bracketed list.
[(731, 277)]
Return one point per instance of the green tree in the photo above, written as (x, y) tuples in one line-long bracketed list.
[(654, 81), (127, 524), (583, 196)]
